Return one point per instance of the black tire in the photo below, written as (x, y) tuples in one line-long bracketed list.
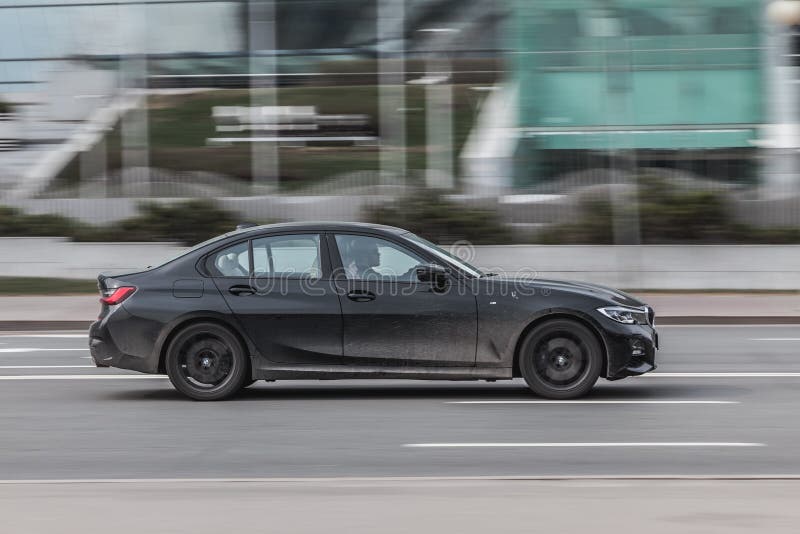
[(206, 361), (561, 359)]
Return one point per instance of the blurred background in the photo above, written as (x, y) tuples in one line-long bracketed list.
[(585, 122), (649, 145)]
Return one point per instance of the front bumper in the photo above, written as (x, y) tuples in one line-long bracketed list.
[(631, 350)]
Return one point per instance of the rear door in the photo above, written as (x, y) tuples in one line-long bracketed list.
[(280, 289), (390, 317)]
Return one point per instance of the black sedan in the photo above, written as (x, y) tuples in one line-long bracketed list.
[(347, 300)]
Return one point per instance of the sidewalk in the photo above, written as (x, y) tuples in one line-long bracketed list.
[(724, 308), (78, 311)]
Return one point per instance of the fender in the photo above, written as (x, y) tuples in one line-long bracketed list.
[(196, 316), (567, 313)]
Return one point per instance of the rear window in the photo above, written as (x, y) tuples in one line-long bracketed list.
[(231, 262)]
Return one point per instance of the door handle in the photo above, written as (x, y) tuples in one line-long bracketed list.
[(241, 291), (361, 296)]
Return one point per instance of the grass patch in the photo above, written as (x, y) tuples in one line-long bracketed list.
[(31, 285), (181, 124)]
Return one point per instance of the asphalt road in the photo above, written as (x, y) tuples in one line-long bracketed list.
[(87, 450), (61, 420)]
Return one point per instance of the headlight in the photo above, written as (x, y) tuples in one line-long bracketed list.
[(624, 315)]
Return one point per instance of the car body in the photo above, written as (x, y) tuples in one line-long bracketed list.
[(354, 300)]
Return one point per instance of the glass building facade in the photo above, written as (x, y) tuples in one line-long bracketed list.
[(37, 36), (672, 84), (625, 84)]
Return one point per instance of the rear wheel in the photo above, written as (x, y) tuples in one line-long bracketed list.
[(206, 361), (561, 359)]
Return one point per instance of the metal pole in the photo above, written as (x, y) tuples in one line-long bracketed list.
[(134, 128), (439, 124), (261, 44), (392, 90), (782, 164)]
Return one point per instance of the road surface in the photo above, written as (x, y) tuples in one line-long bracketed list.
[(724, 402)]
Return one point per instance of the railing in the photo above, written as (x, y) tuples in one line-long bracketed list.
[(8, 139), (290, 125)]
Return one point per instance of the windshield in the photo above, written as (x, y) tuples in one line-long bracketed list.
[(443, 254)]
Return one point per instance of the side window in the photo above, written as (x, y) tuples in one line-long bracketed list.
[(372, 258), (232, 261), (287, 256)]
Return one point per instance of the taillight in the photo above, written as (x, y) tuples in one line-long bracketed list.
[(118, 295)]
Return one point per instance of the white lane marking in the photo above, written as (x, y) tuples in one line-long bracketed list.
[(31, 349), (589, 444), (315, 480), (546, 402), (664, 326), (774, 339), (649, 375), (80, 377), (47, 367), (721, 375), (65, 336)]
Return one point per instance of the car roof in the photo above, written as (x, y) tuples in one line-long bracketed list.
[(321, 226)]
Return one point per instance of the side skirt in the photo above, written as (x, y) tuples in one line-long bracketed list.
[(338, 372)]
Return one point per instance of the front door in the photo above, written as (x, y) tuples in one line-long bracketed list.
[(391, 318), (280, 290)]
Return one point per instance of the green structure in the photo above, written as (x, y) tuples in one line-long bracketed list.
[(662, 82)]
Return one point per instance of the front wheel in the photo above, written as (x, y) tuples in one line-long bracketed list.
[(561, 359), (206, 361)]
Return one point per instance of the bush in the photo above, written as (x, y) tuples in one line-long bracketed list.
[(187, 222), (14, 223), (428, 214), (594, 226), (666, 214), (670, 214)]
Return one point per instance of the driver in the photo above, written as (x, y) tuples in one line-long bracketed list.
[(364, 255)]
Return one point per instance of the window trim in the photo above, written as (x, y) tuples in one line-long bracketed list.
[(325, 256), (338, 266)]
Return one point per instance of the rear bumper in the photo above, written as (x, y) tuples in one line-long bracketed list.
[(106, 353)]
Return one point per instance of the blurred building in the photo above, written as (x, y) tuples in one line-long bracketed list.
[(95, 91), (366, 98), (638, 83)]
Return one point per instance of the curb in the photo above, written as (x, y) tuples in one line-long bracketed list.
[(670, 320), (710, 320), (36, 326), (402, 479)]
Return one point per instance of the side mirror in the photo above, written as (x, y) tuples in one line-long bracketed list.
[(431, 273)]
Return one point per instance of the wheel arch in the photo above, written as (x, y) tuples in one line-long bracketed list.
[(561, 314), (169, 332)]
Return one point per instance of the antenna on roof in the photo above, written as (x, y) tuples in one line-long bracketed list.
[(242, 226)]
